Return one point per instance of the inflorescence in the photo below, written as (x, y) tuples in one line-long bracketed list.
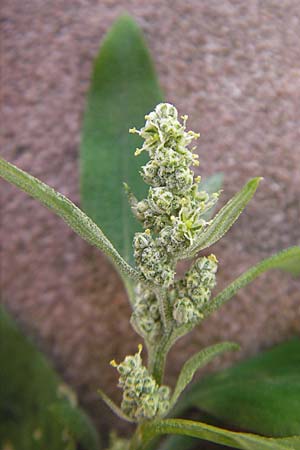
[(173, 216), (142, 397), (173, 213)]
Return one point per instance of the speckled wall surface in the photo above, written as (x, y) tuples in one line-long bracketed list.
[(233, 66)]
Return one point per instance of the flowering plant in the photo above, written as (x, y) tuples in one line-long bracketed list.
[(176, 226)]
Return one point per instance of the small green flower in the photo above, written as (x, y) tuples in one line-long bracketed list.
[(173, 212), (191, 294), (142, 397), (146, 316), (173, 216), (184, 311)]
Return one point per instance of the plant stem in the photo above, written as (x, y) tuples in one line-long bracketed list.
[(129, 286), (136, 440), (157, 358), (164, 308)]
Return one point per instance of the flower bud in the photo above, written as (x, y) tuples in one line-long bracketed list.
[(142, 397), (184, 311)]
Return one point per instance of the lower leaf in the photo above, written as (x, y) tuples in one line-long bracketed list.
[(242, 441), (261, 394), (196, 362), (287, 260)]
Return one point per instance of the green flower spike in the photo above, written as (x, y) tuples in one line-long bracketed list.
[(173, 213), (142, 397)]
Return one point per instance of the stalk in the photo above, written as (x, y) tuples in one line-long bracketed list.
[(136, 440), (157, 358)]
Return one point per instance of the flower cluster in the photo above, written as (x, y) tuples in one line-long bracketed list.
[(190, 295), (146, 315), (152, 260), (173, 212), (142, 397)]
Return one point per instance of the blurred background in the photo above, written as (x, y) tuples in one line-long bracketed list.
[(233, 67)]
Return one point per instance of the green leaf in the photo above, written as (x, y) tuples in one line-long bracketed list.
[(261, 394), (211, 185), (243, 441), (69, 212), (287, 260), (196, 362), (123, 89), (78, 425), (32, 394), (179, 443), (225, 218)]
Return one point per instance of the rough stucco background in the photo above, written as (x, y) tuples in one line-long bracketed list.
[(233, 66)]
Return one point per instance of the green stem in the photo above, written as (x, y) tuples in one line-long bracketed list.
[(157, 358), (136, 440), (164, 308), (129, 286)]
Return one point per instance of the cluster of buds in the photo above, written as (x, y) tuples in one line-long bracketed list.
[(152, 259), (146, 315), (173, 213), (173, 216), (190, 295), (142, 397)]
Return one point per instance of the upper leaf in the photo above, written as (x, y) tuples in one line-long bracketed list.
[(287, 260), (195, 362), (225, 218), (243, 441), (261, 394), (69, 212), (123, 89)]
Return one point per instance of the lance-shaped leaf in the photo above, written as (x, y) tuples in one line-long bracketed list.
[(78, 425), (69, 212), (115, 408), (196, 362), (287, 260), (242, 441), (225, 218), (123, 89), (261, 394)]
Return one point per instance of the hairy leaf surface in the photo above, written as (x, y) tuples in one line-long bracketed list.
[(261, 394), (287, 260), (225, 218), (196, 362), (69, 212), (243, 441)]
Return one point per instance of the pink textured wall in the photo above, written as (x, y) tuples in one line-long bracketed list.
[(233, 66)]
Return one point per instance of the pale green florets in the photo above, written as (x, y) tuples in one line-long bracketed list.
[(190, 295), (142, 397), (152, 260), (173, 217), (184, 311), (173, 212), (146, 315)]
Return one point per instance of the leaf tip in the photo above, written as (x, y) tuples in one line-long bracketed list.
[(126, 22), (254, 182)]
